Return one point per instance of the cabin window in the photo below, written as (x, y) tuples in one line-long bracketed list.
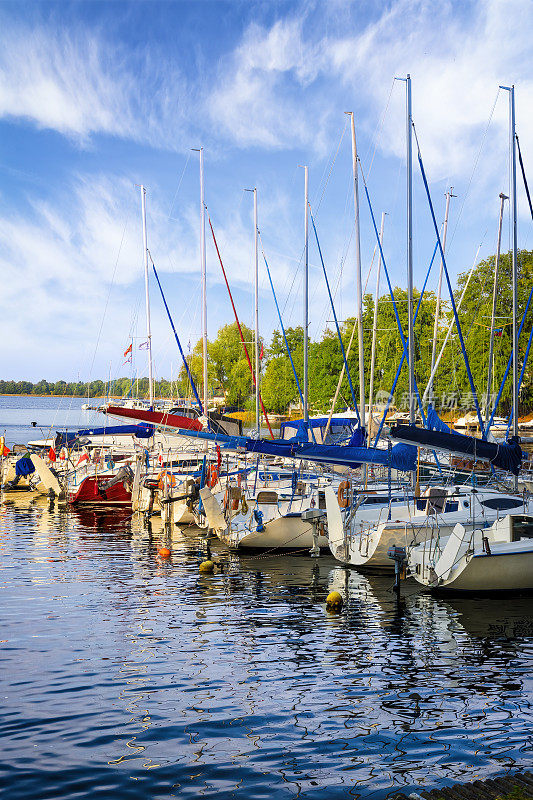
[(267, 498), (522, 528), (375, 500), (451, 506), (501, 503)]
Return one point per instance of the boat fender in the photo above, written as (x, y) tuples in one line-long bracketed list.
[(343, 494), (170, 478), (212, 476), (206, 566), (234, 501), (258, 516)]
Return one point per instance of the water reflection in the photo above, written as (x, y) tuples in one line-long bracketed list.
[(139, 676)]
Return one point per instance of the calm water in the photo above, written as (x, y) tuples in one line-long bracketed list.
[(125, 676), (17, 413)]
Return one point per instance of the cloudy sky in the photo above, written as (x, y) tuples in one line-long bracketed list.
[(97, 98)]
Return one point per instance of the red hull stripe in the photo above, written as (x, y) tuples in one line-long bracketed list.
[(156, 418)]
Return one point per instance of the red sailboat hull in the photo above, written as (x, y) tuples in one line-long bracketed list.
[(92, 490), (156, 418)]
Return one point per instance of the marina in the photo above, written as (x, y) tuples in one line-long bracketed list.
[(269, 534)]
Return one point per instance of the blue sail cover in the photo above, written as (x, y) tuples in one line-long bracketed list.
[(434, 422), (402, 457), (505, 456), (142, 430)]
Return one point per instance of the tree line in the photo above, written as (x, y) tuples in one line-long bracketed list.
[(229, 374)]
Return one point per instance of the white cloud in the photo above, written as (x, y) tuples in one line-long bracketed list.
[(80, 82), (284, 85)]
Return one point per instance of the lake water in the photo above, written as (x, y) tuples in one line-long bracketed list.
[(50, 414), (127, 676)]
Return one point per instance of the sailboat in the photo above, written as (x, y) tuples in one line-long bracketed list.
[(499, 558)]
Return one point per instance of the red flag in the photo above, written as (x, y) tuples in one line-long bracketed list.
[(261, 354), (52, 454), (126, 352), (84, 457)]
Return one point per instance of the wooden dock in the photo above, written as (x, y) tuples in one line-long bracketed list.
[(518, 786)]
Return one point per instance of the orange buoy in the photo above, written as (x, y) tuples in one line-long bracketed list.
[(343, 494), (164, 552)]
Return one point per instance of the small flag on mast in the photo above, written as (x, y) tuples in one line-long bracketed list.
[(128, 351), (143, 345)]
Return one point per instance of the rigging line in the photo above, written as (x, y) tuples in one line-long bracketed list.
[(203, 411), (331, 167), (107, 300), (474, 168), (335, 318), (378, 129), (391, 292), (179, 185), (524, 177), (239, 324), (284, 334), (452, 299)]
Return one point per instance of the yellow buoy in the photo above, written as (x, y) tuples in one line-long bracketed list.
[(164, 552), (334, 602), (206, 566)]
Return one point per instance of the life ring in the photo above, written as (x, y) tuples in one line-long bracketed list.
[(212, 476), (166, 476), (343, 494), (234, 502)]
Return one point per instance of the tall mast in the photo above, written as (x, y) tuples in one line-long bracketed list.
[(306, 297), (512, 145), (256, 316), (359, 283), (256, 298), (374, 328), (204, 281), (147, 298), (512, 133), (449, 194), (503, 198), (411, 343)]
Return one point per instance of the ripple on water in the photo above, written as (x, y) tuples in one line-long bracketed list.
[(126, 676)]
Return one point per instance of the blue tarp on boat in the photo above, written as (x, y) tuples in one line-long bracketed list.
[(142, 430), (506, 456)]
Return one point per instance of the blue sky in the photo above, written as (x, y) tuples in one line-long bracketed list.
[(96, 98)]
